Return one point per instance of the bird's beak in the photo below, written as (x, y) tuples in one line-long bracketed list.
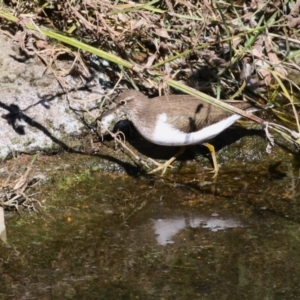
[(111, 109)]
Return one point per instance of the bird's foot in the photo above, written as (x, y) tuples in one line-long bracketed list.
[(168, 163), (163, 166), (214, 171), (212, 151)]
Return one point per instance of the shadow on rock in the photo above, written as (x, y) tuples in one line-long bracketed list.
[(226, 138)]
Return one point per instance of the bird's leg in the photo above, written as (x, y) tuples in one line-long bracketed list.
[(168, 163), (212, 151)]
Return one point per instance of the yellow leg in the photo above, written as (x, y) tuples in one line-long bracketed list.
[(212, 151), (168, 163)]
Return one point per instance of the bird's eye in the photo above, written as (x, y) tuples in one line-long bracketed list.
[(122, 102)]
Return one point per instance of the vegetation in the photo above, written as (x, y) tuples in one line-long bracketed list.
[(226, 49)]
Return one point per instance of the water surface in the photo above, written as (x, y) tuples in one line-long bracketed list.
[(113, 236)]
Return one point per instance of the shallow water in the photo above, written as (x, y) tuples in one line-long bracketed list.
[(112, 236)]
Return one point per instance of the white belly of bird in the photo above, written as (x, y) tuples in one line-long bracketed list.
[(167, 135)]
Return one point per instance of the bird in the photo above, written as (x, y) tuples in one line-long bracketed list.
[(176, 120)]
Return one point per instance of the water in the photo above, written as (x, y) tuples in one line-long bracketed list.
[(112, 236)]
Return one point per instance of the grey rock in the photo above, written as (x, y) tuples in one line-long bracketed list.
[(36, 114)]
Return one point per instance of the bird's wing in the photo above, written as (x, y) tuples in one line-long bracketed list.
[(189, 114)]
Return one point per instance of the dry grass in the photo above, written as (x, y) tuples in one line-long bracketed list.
[(14, 189), (226, 49)]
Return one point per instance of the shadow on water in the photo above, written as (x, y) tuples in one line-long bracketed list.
[(109, 236)]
